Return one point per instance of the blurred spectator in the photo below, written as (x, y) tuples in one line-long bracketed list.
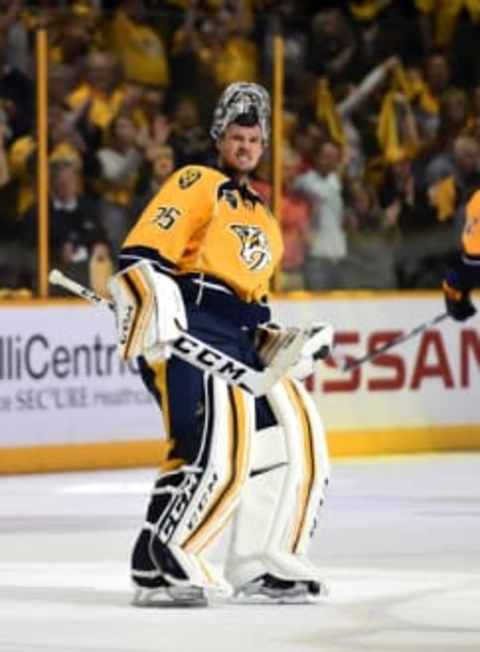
[(75, 232), (453, 191), (424, 254), (294, 220), (20, 193), (397, 126), (65, 143), (153, 175), (453, 26), (139, 47), (189, 138), (293, 25), (13, 29), (61, 79), (328, 246), (4, 167), (306, 140), (333, 46), (407, 208), (403, 199), (100, 93), (371, 238), (232, 56), (384, 29), (339, 117), (454, 115), (430, 85), (354, 97), (73, 32), (120, 160), (7, 226), (157, 135), (438, 20), (65, 139), (218, 48), (144, 102), (17, 95)]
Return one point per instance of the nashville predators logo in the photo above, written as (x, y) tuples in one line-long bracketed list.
[(188, 178), (255, 249)]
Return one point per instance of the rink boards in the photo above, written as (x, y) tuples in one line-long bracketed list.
[(68, 402)]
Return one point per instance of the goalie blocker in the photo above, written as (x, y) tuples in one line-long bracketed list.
[(262, 460)]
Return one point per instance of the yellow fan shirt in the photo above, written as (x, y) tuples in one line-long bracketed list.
[(141, 51), (446, 13)]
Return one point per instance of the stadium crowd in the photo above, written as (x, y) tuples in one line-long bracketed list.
[(381, 128)]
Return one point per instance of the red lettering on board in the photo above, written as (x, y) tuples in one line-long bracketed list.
[(469, 341), (431, 341), (388, 360)]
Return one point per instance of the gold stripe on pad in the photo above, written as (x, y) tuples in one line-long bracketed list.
[(243, 456), (128, 290), (308, 461), (217, 516), (144, 311), (202, 532)]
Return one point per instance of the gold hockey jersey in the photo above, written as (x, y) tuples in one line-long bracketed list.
[(471, 229), (201, 221)]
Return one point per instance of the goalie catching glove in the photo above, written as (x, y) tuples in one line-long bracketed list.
[(149, 310)]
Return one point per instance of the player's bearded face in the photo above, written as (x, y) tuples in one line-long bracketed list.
[(241, 147)]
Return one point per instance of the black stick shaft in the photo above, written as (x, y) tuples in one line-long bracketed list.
[(353, 364)]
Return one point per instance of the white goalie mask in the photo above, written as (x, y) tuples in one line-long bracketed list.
[(242, 98)]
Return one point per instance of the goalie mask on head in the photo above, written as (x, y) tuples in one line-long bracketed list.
[(251, 101)]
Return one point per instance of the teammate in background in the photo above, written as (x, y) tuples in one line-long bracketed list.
[(201, 257), (465, 273)]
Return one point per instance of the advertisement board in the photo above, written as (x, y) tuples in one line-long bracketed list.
[(62, 383), (61, 380), (430, 380)]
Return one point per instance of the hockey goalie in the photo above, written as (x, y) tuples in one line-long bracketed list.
[(200, 258)]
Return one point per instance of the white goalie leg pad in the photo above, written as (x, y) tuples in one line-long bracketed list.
[(276, 517), (198, 502), (149, 310)]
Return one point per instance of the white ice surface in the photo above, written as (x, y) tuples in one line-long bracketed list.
[(399, 544)]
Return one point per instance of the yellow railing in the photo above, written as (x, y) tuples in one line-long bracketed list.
[(42, 162)]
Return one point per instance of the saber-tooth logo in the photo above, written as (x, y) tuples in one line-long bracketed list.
[(255, 249)]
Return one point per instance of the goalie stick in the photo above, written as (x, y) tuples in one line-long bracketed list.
[(198, 353), (346, 363), (207, 358)]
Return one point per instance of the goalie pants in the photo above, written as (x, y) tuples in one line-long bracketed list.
[(225, 445)]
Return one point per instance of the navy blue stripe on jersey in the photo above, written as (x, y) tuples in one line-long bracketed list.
[(131, 255)]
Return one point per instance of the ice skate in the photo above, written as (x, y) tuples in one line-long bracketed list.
[(270, 589), (164, 594)]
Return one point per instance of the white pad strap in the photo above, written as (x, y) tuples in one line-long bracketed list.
[(149, 310)]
